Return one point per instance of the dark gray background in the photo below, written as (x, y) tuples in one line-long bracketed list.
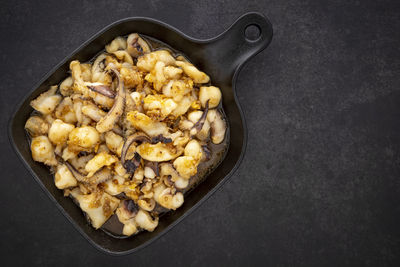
[(319, 184)]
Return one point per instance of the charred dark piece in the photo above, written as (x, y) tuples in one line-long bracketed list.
[(122, 196), (131, 207), (133, 164), (137, 46), (83, 154), (160, 138)]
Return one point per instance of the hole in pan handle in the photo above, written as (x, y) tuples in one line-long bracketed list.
[(246, 37)]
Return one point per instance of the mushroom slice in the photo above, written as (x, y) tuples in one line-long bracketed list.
[(36, 126), (98, 206), (158, 152), (107, 122), (136, 46), (47, 101), (146, 124), (218, 126), (193, 72)]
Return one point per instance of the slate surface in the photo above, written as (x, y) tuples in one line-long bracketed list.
[(319, 185)]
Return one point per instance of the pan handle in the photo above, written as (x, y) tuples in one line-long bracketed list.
[(234, 47)]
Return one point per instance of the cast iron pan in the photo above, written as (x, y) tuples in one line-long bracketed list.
[(220, 57)]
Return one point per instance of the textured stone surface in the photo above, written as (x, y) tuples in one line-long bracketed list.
[(319, 184)]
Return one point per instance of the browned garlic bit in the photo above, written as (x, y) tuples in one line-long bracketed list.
[(126, 134)]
